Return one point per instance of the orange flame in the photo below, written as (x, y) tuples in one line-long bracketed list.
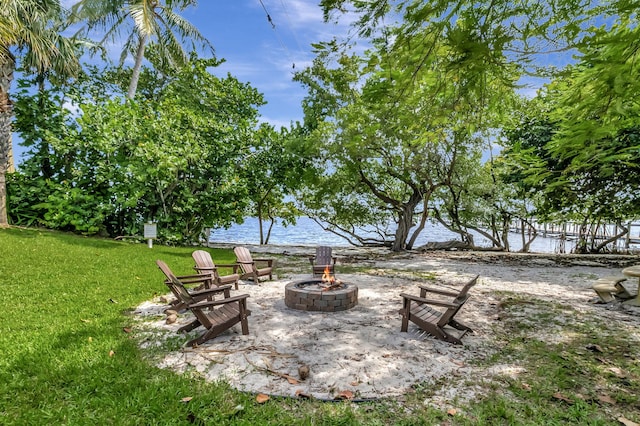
[(327, 277)]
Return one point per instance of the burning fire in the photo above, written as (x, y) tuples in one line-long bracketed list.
[(327, 278), (329, 281)]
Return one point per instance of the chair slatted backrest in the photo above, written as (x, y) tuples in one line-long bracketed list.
[(460, 300), (177, 288), (244, 259), (203, 260), (324, 255)]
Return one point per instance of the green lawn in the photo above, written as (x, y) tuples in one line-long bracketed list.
[(67, 356)]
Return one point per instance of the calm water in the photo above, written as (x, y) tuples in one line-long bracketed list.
[(306, 232)]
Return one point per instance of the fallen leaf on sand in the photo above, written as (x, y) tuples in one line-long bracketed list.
[(606, 399), (292, 380), (345, 394), (627, 422), (354, 383), (561, 397), (300, 394), (262, 398), (126, 329), (452, 411)]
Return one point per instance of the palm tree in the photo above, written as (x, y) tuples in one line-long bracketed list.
[(26, 28), (151, 20)]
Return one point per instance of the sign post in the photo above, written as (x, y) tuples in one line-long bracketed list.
[(150, 232)]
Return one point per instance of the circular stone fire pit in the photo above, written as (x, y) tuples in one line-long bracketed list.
[(308, 295)]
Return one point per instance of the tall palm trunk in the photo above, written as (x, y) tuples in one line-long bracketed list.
[(135, 75), (6, 75)]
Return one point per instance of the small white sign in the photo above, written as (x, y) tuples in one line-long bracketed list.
[(150, 230)]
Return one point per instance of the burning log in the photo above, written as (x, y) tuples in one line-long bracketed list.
[(329, 282), (336, 284)]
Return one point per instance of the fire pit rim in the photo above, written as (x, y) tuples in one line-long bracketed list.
[(306, 283), (303, 298)]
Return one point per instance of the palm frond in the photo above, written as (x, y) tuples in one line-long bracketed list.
[(144, 17), (185, 29)]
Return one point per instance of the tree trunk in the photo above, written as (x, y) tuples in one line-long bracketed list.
[(423, 221), (135, 75), (260, 224), (405, 222), (6, 75)]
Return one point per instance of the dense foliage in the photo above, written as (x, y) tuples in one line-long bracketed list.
[(579, 141), (479, 50), (173, 157), (30, 34), (394, 136)]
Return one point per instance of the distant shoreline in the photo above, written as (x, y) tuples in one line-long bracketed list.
[(373, 253)]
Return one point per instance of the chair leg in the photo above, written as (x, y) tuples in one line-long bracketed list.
[(405, 315), (440, 334), (188, 327), (244, 323), (201, 339), (451, 339), (459, 326)]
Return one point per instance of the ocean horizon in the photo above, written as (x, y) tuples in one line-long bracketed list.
[(306, 232)]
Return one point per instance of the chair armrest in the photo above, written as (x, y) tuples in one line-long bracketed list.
[(199, 278), (439, 291), (206, 303), (269, 262), (187, 277), (311, 259), (205, 268), (212, 290), (234, 266), (429, 301)]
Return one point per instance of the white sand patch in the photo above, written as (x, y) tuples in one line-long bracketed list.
[(362, 350)]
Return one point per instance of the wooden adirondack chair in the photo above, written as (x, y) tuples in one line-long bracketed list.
[(205, 279), (433, 315), (205, 265), (248, 265), (214, 315), (322, 260)]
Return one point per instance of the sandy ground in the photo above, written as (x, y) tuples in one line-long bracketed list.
[(362, 352)]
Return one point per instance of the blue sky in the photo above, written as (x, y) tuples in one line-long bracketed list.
[(264, 56), (255, 51)]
